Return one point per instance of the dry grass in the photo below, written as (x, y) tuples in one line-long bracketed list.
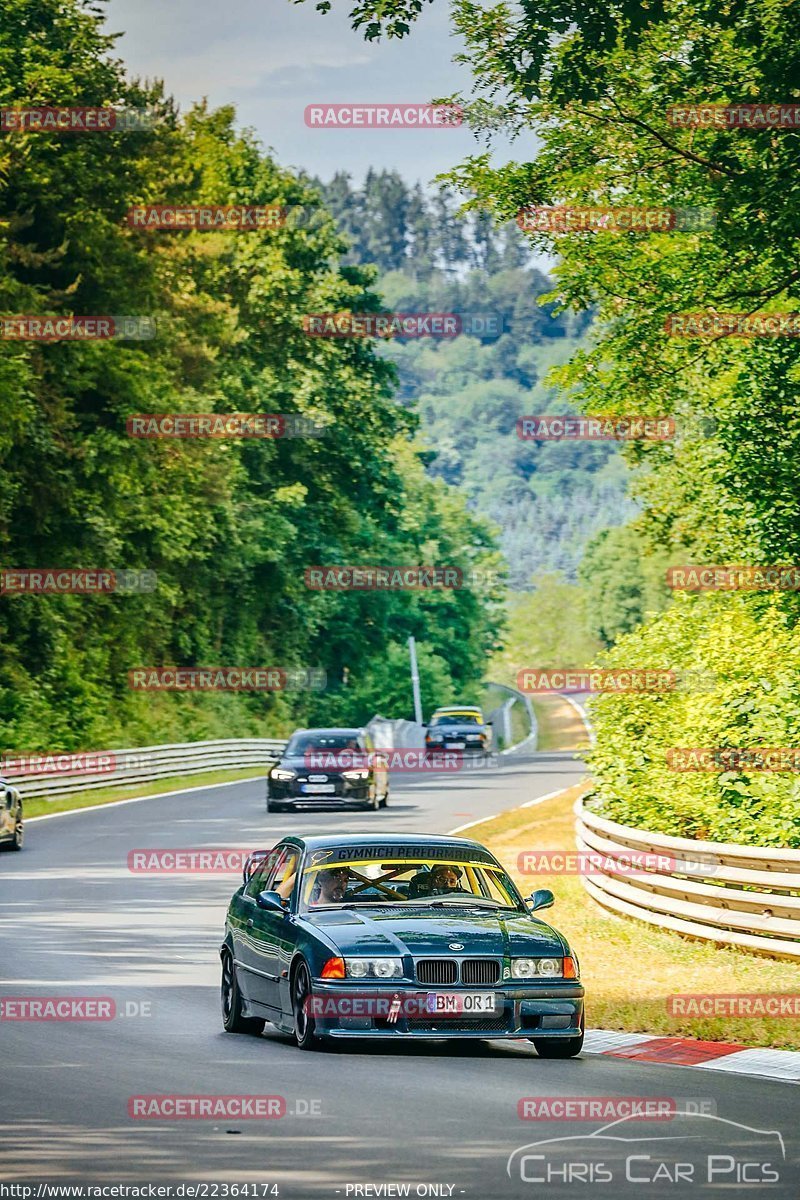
[(630, 968)]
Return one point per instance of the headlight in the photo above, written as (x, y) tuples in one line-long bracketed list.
[(375, 968), (434, 737), (355, 774), (528, 968), (282, 773)]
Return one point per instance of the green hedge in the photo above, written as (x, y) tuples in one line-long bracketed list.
[(754, 651)]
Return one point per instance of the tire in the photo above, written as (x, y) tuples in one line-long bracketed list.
[(305, 1034), (274, 807), (385, 800), (374, 804), (560, 1047), (231, 997), (19, 836)]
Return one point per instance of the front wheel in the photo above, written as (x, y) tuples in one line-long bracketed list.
[(19, 836), (231, 998), (560, 1047), (385, 800), (305, 1034), (274, 806)]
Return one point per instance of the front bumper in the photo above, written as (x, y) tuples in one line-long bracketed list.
[(345, 791), (552, 1010)]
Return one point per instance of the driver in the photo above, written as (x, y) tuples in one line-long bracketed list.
[(445, 878), (330, 886)]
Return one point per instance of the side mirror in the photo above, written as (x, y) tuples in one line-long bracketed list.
[(271, 901), (542, 898)]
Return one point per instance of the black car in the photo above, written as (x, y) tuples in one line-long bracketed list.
[(10, 817), (459, 729), (330, 768)]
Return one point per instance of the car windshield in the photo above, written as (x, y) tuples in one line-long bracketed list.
[(301, 743), (344, 877), (456, 719)]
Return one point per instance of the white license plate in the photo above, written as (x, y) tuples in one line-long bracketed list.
[(458, 745), (317, 789), (461, 1003)]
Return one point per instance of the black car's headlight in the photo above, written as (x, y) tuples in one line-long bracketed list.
[(355, 775), (373, 968), (537, 968), (283, 773)]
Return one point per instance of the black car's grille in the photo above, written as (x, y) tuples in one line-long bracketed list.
[(484, 971), (437, 970)]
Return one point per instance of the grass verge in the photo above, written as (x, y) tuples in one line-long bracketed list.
[(630, 968), (38, 806)]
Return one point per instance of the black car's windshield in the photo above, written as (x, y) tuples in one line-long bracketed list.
[(407, 880), (302, 743), (456, 719)]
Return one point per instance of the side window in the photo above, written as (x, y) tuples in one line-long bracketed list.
[(260, 880), (284, 879)]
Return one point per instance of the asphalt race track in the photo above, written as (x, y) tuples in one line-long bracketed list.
[(76, 921)]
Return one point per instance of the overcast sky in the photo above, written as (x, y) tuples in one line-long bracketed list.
[(271, 58)]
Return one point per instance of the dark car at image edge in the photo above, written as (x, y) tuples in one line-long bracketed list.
[(11, 827)]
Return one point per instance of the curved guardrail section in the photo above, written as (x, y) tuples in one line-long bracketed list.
[(745, 896)]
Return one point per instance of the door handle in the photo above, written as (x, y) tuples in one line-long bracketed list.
[(249, 922)]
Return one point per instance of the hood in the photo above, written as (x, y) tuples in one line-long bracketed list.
[(420, 932)]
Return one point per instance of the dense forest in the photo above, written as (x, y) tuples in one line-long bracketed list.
[(597, 89), (547, 499), (227, 527)]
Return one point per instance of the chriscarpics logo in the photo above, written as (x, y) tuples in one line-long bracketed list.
[(694, 1151)]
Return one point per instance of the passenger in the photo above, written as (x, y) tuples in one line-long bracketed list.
[(445, 879)]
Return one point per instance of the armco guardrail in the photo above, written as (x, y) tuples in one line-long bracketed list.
[(502, 716), (744, 896), (144, 763)]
